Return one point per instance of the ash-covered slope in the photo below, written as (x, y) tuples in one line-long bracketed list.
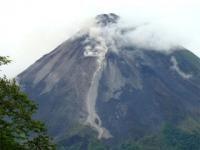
[(99, 79)]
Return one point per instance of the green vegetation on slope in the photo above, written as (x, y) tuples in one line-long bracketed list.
[(169, 138)]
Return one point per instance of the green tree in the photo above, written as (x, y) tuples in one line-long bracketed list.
[(177, 139), (18, 130)]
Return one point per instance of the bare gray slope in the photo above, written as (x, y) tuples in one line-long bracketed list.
[(60, 86), (99, 80)]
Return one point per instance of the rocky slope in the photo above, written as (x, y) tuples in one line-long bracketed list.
[(99, 79)]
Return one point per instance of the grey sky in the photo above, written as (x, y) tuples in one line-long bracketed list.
[(31, 28)]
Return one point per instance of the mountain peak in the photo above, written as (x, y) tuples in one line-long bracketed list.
[(106, 19), (102, 84)]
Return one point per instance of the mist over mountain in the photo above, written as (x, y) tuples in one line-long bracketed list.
[(109, 82)]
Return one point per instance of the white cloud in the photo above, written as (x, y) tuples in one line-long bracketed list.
[(31, 28)]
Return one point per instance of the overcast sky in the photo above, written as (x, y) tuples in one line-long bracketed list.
[(32, 28)]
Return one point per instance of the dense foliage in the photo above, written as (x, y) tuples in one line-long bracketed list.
[(18, 130), (169, 138), (172, 138)]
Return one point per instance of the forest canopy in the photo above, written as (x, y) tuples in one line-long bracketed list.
[(18, 130)]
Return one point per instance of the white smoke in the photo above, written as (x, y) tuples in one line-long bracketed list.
[(149, 36), (102, 36), (146, 36)]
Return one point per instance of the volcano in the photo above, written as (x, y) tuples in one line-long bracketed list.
[(100, 83)]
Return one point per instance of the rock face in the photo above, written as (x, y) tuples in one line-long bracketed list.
[(97, 79)]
